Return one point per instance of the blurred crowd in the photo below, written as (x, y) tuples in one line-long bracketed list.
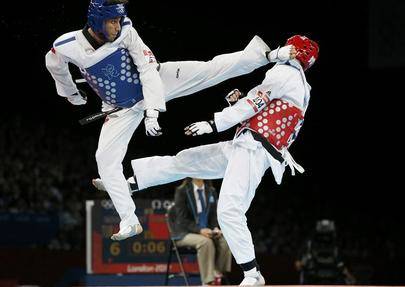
[(46, 170)]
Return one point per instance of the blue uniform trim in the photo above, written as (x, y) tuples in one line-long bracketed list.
[(65, 41), (126, 23)]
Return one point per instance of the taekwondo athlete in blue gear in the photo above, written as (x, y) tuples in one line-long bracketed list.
[(115, 79), (123, 72)]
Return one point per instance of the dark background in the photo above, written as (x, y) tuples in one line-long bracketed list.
[(349, 144)]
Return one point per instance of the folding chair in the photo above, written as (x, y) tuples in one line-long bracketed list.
[(178, 251)]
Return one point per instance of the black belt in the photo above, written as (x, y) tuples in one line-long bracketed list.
[(268, 146)]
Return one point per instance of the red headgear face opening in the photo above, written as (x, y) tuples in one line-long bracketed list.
[(307, 50)]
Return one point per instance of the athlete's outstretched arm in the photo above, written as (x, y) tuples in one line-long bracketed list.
[(243, 109)]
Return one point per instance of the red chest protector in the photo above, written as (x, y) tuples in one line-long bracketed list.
[(279, 123)]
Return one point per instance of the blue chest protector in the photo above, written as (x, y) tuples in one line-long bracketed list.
[(115, 79)]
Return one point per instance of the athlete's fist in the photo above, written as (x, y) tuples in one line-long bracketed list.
[(152, 127), (78, 98), (233, 96), (200, 128)]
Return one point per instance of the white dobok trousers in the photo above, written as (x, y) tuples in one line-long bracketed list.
[(241, 163)]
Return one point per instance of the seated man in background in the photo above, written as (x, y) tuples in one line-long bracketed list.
[(197, 226)]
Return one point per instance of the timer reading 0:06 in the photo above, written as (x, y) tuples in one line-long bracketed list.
[(149, 247), (115, 249)]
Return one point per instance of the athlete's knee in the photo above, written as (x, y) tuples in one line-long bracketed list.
[(182, 158), (105, 162), (228, 211), (224, 215), (101, 157)]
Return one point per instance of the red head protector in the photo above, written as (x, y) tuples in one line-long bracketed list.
[(307, 50)]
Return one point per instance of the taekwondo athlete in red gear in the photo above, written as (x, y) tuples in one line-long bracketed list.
[(124, 73), (271, 115)]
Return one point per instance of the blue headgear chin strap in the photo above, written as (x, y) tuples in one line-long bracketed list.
[(99, 11)]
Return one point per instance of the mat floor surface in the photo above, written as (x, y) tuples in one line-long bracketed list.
[(272, 286)]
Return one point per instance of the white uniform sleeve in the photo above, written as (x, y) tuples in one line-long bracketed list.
[(152, 85), (59, 69), (244, 109), (256, 100)]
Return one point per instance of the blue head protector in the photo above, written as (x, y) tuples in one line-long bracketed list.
[(99, 11)]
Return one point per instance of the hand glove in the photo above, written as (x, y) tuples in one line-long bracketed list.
[(200, 128), (282, 54), (78, 98), (152, 127), (233, 96)]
